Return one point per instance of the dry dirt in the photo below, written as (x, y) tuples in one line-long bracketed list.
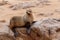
[(50, 9)]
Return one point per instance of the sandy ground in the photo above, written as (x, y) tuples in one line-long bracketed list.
[(39, 12)]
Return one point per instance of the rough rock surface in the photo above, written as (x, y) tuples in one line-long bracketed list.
[(29, 4), (3, 2), (50, 28), (6, 37), (45, 29), (5, 32), (24, 5)]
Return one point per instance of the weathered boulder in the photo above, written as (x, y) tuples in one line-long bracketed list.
[(5, 32), (22, 34), (45, 29), (24, 5), (49, 28), (6, 37), (3, 2)]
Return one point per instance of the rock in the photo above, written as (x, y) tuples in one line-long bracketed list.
[(3, 2), (45, 2), (2, 21), (45, 14), (22, 34), (29, 4), (48, 28), (6, 37), (5, 29), (45, 29), (5, 32), (24, 5), (57, 10), (42, 31)]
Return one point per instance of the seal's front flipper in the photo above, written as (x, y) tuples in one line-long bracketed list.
[(15, 33)]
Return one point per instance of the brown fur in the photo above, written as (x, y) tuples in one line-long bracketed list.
[(25, 21)]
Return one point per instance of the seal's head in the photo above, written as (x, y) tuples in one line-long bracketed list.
[(29, 11)]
